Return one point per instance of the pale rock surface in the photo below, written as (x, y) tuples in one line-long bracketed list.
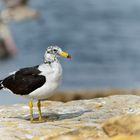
[(20, 13), (74, 120)]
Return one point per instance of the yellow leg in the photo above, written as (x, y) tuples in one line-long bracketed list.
[(39, 110), (31, 109)]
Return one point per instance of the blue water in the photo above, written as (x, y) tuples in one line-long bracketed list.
[(102, 36)]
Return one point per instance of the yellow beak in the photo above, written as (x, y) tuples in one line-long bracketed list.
[(65, 55)]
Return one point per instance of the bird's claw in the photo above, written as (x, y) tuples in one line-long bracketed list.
[(39, 120)]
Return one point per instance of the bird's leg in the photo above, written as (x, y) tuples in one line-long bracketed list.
[(39, 110), (31, 109)]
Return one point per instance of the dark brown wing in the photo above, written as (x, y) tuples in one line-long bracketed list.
[(24, 81)]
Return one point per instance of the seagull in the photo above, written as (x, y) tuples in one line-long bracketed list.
[(37, 82)]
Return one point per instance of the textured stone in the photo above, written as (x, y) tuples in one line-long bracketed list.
[(19, 13), (127, 124), (69, 137), (7, 45), (65, 96), (82, 119)]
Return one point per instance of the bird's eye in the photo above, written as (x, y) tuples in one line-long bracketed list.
[(55, 50)]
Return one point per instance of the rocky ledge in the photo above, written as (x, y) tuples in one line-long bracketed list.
[(110, 118), (20, 13)]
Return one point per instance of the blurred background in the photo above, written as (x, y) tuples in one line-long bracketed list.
[(103, 38)]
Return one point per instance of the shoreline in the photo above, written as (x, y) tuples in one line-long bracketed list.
[(69, 95)]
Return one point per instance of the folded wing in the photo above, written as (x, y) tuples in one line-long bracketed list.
[(24, 81)]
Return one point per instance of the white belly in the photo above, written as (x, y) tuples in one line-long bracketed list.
[(53, 80), (45, 91)]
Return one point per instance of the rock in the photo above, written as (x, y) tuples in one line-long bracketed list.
[(14, 3), (125, 137), (127, 124), (20, 13), (89, 94), (18, 10), (7, 45), (69, 137), (75, 120)]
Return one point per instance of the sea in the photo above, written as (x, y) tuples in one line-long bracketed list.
[(102, 36)]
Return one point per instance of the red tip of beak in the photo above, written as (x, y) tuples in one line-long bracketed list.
[(69, 57)]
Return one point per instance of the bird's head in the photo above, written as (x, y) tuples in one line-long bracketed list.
[(53, 52)]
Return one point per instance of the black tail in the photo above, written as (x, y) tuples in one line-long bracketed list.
[(1, 86)]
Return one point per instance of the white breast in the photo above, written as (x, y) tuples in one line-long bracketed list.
[(53, 74)]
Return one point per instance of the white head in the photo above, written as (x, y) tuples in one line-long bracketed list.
[(53, 52)]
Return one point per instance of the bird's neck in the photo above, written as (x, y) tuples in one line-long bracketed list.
[(50, 58), (53, 66)]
